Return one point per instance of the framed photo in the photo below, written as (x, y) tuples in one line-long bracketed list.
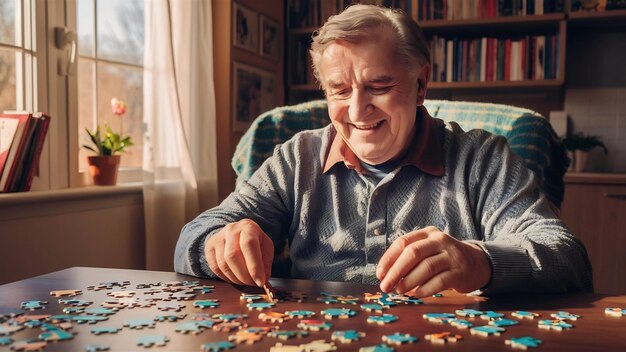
[(270, 38), (245, 28), (254, 92)]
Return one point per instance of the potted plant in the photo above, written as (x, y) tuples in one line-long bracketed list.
[(104, 166), (579, 145)]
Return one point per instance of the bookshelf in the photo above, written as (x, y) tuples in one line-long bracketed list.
[(554, 22)]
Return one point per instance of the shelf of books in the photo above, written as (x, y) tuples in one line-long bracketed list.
[(22, 136)]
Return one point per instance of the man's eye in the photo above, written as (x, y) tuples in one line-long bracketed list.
[(344, 93), (380, 90)]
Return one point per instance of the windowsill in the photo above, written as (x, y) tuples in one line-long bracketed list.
[(70, 193)]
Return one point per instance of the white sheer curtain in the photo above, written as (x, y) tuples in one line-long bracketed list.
[(179, 176)]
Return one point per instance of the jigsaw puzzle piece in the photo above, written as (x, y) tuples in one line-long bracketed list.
[(522, 314), (56, 335), (565, 316), (260, 305), (104, 330), (65, 293), (300, 313), (487, 330), (382, 319), (207, 303), (287, 334), (314, 325), (468, 313), (443, 337), (615, 312), (377, 348), (503, 322), (33, 305), (217, 346), (554, 324), (523, 342), (139, 324), (152, 340), (96, 348), (347, 336), (399, 339), (6, 330), (341, 313), (90, 319), (491, 315), (5, 341), (29, 345)]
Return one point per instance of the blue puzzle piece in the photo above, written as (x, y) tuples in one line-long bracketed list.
[(300, 313), (139, 323), (73, 310), (347, 336), (327, 300), (5, 341), (382, 319), (209, 303), (287, 334), (217, 346), (468, 312), (250, 297), (91, 319), (503, 322), (149, 341), (33, 324), (230, 317), (487, 330), (104, 330), (338, 313), (75, 302), (171, 317), (385, 300), (615, 312), (60, 318), (399, 339), (523, 342), (565, 316), (56, 335), (260, 305), (461, 323), (491, 315), (522, 314), (378, 348), (315, 325), (555, 324), (33, 305)]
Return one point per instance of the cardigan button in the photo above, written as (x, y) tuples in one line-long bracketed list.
[(378, 232)]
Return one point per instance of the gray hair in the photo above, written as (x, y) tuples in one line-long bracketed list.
[(353, 24)]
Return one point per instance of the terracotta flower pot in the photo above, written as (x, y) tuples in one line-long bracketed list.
[(103, 169)]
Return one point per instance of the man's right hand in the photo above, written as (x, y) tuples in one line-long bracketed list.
[(241, 253)]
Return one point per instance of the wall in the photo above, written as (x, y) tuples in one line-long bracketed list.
[(595, 98), (47, 231), (225, 54)]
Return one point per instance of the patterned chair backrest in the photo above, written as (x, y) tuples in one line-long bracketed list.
[(528, 133)]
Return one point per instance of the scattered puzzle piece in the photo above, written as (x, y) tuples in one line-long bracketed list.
[(461, 323), (250, 297), (491, 315), (554, 324), (149, 341), (523, 342), (172, 317), (386, 301), (5, 341), (100, 311), (90, 319), (73, 310), (227, 326), (245, 337), (260, 305), (521, 314), (615, 312), (503, 322), (443, 337), (382, 319), (217, 346), (139, 324), (372, 307), (565, 316), (9, 329), (229, 317), (33, 305), (104, 330), (399, 339), (108, 285), (342, 313), (29, 345), (176, 307), (56, 335), (121, 294), (347, 336), (203, 289), (300, 313), (437, 295), (318, 346), (487, 330), (287, 334), (96, 348), (207, 303), (314, 325), (377, 348), (75, 302), (184, 295), (274, 317), (61, 318), (65, 293), (189, 327), (437, 317), (348, 300), (468, 312)]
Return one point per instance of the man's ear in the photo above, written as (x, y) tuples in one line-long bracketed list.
[(422, 84)]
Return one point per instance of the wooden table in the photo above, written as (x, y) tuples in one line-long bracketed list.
[(594, 331)]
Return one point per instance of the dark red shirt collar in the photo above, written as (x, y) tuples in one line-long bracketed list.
[(426, 153)]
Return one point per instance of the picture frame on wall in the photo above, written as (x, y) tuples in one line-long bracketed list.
[(270, 38), (245, 28), (254, 92)]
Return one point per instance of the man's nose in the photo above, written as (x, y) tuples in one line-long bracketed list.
[(360, 105)]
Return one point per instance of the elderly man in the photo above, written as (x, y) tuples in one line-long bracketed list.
[(387, 194)]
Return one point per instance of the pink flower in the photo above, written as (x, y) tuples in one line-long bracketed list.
[(118, 106)]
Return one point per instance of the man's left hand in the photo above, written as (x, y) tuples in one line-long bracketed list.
[(428, 261)]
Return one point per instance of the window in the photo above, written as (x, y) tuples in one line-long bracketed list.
[(110, 65), (18, 56)]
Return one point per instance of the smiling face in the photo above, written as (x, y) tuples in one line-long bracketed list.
[(372, 95)]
